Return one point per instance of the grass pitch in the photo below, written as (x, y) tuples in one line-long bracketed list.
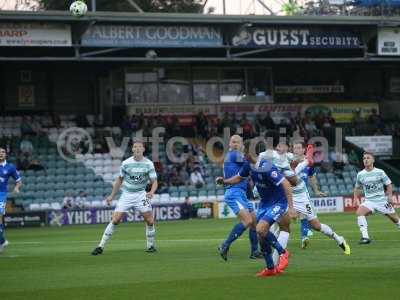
[(55, 263)]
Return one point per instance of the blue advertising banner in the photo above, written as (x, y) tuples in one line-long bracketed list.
[(151, 36), (103, 215), (296, 38)]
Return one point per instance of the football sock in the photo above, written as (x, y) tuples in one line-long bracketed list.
[(236, 232), (304, 228), (267, 256), (283, 239), (253, 240), (272, 240), (150, 235), (325, 229), (2, 239), (107, 234), (362, 223)]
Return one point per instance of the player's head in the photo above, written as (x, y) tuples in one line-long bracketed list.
[(3, 153), (236, 142), (368, 159), (138, 148), (298, 148), (282, 148)]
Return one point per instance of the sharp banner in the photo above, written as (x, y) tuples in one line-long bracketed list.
[(296, 37), (35, 35), (152, 36)]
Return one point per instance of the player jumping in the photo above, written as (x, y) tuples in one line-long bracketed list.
[(135, 173)]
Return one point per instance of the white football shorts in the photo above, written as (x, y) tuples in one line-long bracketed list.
[(382, 207), (136, 201)]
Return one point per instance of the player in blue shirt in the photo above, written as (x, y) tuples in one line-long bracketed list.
[(306, 174), (276, 203), (235, 197), (7, 170)]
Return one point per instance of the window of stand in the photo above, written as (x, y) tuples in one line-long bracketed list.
[(205, 85), (141, 86), (197, 85)]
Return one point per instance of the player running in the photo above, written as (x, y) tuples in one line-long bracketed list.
[(235, 197), (373, 182), (275, 202), (7, 170), (135, 173)]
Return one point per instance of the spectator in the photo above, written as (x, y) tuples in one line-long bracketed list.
[(224, 123), (183, 176), (338, 161), (35, 166), (26, 147), (247, 127), (80, 200), (23, 162), (269, 122), (353, 158), (187, 209), (202, 125), (196, 178), (68, 201), (259, 124), (26, 128)]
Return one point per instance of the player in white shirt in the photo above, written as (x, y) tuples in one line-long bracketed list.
[(373, 182), (135, 173)]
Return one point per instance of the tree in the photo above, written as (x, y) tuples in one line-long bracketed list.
[(181, 6), (291, 8)]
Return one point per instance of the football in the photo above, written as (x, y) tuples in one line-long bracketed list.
[(78, 8)]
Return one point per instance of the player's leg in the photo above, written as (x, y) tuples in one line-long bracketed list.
[(364, 210), (3, 241), (388, 210), (266, 237), (255, 253), (327, 230), (108, 232), (245, 221), (237, 201), (150, 231), (282, 236)]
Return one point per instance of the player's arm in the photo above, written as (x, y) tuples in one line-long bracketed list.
[(389, 193), (17, 187), (357, 188), (116, 186), (287, 187), (244, 172), (18, 180), (315, 187), (153, 181), (228, 181), (153, 189), (389, 187)]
